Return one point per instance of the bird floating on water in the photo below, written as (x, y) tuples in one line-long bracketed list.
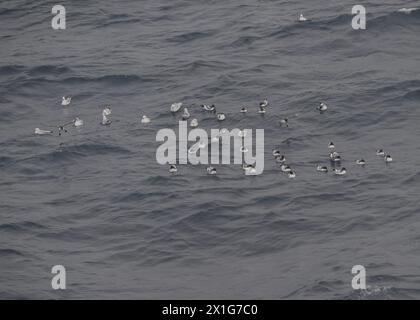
[(264, 103), (244, 110), (65, 101), (208, 107), (105, 114), (186, 115), (250, 170), (41, 132), (321, 168), (211, 170), (194, 123), (335, 156), (173, 169), (284, 122), (340, 172), (361, 162), (243, 149), (78, 122), (322, 107), (331, 145), (292, 174), (221, 116), (388, 158), (285, 168), (145, 119), (262, 110), (302, 18), (175, 107), (280, 159), (380, 152), (276, 153)]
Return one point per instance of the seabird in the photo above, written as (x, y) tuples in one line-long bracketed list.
[(194, 123), (105, 113), (322, 168), (264, 103), (221, 116), (175, 107), (276, 153), (208, 108), (186, 115), (361, 162), (340, 172), (280, 159), (335, 156), (302, 18), (145, 119), (65, 101), (322, 107), (380, 152), (41, 132), (78, 122), (211, 170), (284, 122), (285, 168), (262, 110)]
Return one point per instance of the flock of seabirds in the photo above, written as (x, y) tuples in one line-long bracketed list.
[(249, 169), (334, 156)]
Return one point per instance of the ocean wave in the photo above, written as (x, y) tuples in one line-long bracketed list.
[(189, 36), (111, 80), (385, 21), (25, 226), (395, 20), (72, 152), (10, 253), (49, 70), (11, 69)]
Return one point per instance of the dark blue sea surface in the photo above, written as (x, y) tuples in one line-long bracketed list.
[(96, 201)]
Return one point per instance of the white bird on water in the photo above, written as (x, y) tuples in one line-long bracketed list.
[(264, 103), (186, 115), (340, 172), (65, 101), (208, 107), (321, 168), (249, 170), (194, 123), (221, 116), (211, 170), (322, 107), (175, 107), (361, 162), (41, 132), (173, 169), (105, 114), (302, 18), (78, 122), (145, 119)]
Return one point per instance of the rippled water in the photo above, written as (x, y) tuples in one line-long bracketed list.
[(96, 201)]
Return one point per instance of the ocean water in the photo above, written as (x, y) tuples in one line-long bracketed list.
[(96, 201)]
